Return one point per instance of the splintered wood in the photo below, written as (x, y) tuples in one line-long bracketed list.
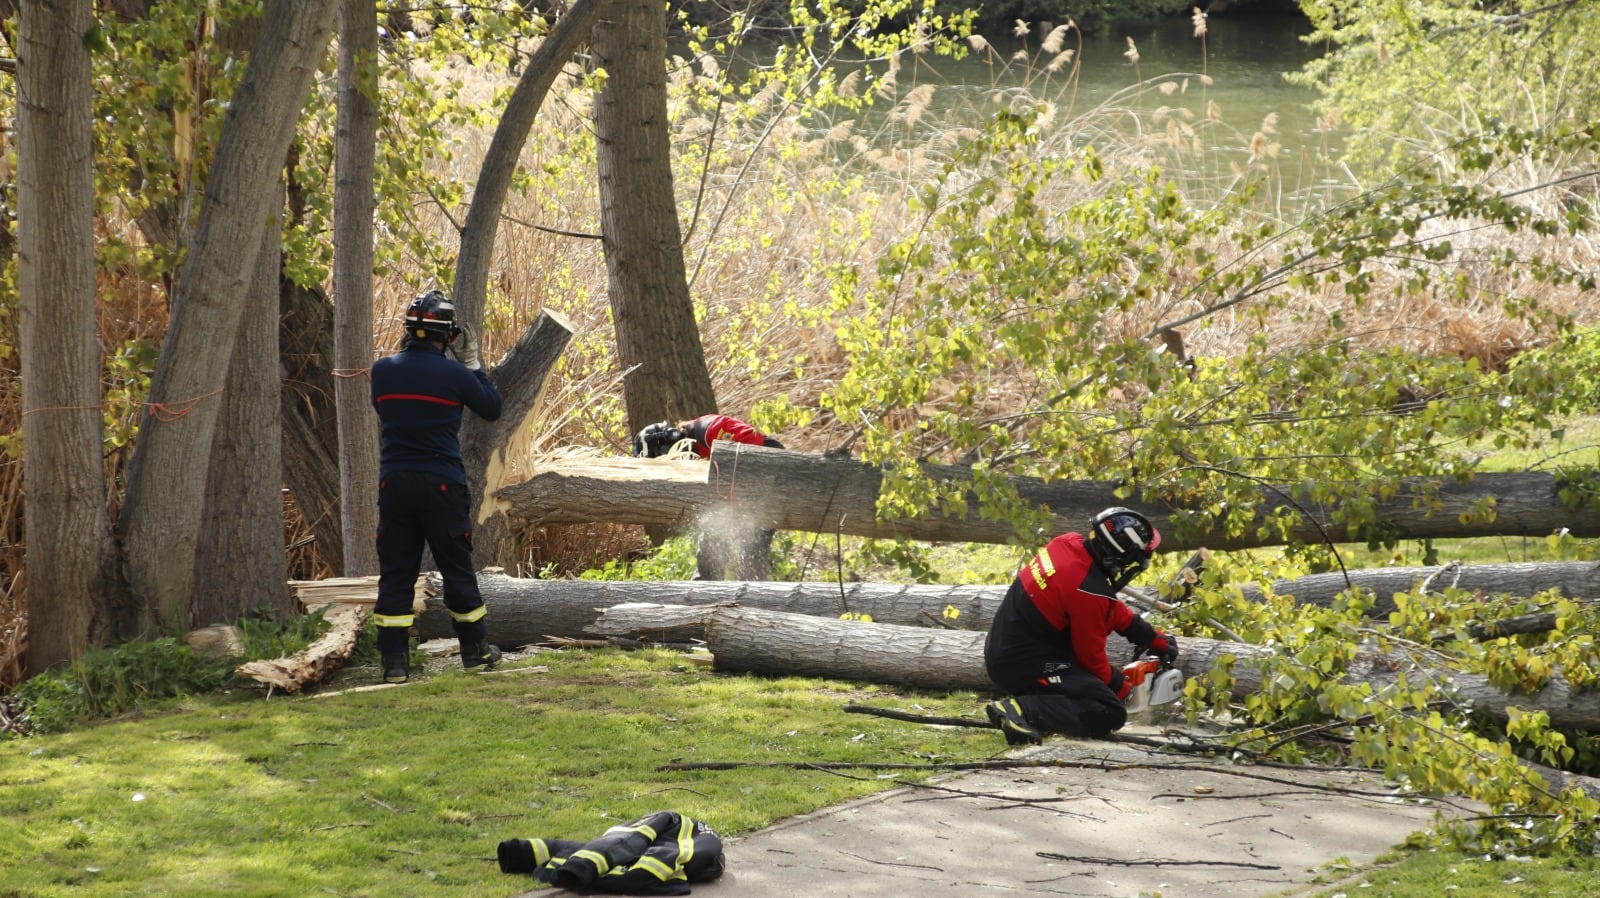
[(318, 660), (309, 595)]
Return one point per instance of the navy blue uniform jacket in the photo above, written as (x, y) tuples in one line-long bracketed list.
[(419, 393)]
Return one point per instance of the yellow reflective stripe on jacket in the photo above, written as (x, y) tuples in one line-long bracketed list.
[(541, 852), (659, 869), (601, 865), (685, 841), (393, 620), (468, 617)]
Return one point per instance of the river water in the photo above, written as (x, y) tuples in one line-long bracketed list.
[(1229, 83)]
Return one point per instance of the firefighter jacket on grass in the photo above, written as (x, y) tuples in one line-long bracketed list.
[(659, 854)]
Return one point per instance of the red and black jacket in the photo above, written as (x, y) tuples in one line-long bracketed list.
[(707, 429), (1060, 608)]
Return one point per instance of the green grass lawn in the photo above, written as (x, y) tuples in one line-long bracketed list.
[(406, 791)]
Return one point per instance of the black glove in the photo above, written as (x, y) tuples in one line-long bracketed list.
[(1120, 685), (1166, 647)]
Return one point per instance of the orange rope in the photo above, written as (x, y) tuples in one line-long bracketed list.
[(166, 414)]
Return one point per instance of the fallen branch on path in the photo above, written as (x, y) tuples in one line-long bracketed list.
[(1197, 747), (1155, 862)]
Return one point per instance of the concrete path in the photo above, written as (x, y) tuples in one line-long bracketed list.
[(1184, 830)]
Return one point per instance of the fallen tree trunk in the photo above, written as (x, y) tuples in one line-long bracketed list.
[(524, 611), (318, 660), (749, 640), (781, 490), (1572, 579)]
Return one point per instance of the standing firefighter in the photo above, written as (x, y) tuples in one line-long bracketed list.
[(422, 491), (1047, 645)]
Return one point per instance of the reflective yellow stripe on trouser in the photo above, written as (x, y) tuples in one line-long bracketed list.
[(467, 617), (395, 620)]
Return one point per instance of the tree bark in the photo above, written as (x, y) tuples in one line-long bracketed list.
[(69, 550), (355, 147), (750, 640), (658, 340), (240, 567), (787, 490), (161, 511)]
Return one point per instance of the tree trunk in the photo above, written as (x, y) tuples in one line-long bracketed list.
[(310, 419), (529, 611), (69, 550), (486, 446), (161, 511), (749, 640), (521, 375), (505, 151), (1573, 579), (658, 340), (355, 143), (787, 490), (310, 436), (240, 565)]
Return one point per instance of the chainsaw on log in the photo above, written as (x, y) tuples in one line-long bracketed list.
[(1154, 682)]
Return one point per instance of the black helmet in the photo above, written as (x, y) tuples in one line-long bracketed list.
[(1122, 541), (656, 440), (432, 316)]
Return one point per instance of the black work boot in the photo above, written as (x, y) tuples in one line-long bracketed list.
[(396, 667), (1007, 717), (478, 653)]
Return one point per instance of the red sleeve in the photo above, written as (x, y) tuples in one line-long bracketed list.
[(1094, 619), (734, 429)]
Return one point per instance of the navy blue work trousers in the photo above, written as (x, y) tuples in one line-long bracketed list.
[(417, 509)]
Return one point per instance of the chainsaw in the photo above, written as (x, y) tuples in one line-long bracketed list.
[(1154, 682)]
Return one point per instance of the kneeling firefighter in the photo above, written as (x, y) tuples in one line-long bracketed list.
[(1047, 645)]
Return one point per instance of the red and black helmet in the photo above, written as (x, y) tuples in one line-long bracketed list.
[(432, 316), (1122, 541)]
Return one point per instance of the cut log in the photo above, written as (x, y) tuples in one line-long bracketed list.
[(782, 490), (318, 660), (750, 640), (525, 611)]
